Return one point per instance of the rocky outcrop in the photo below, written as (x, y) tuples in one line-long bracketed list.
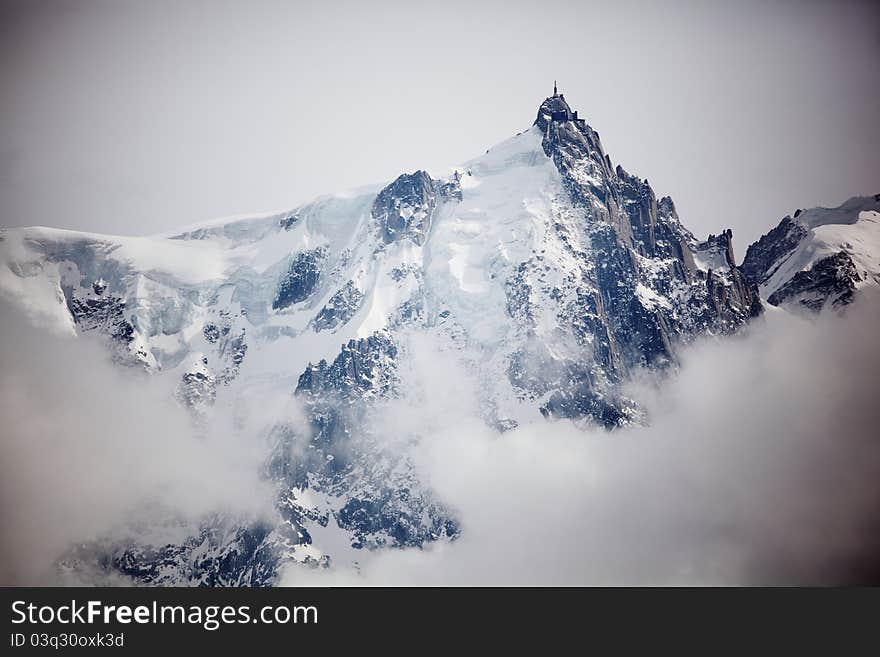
[(403, 209), (102, 313), (771, 249), (96, 309), (364, 368), (301, 278), (385, 504), (830, 280), (222, 552), (340, 308)]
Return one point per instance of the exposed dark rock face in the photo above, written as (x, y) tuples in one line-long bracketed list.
[(385, 504), (450, 189), (105, 314), (96, 310), (768, 253), (364, 368), (586, 171), (340, 308), (211, 332), (301, 278), (578, 400), (673, 240), (643, 290), (223, 552), (830, 280), (730, 293), (640, 204), (404, 208), (289, 221)]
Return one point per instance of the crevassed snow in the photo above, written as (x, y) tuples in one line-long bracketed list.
[(188, 262), (505, 211)]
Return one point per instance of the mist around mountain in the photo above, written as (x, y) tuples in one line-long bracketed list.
[(524, 369)]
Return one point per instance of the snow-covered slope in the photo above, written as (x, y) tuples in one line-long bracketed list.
[(820, 257), (547, 272)]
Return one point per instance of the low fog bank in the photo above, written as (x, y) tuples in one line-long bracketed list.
[(91, 448), (761, 466)]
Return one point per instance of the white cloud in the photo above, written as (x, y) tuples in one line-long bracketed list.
[(761, 466), (89, 447)]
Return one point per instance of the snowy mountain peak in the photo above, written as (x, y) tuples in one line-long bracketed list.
[(819, 257), (545, 273)]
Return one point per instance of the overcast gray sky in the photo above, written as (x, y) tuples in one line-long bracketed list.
[(137, 117)]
